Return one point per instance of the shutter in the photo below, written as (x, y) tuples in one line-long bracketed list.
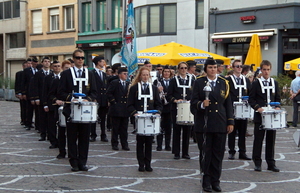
[(37, 22)]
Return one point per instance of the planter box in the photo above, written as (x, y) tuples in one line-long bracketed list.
[(9, 95), (1, 93), (289, 110)]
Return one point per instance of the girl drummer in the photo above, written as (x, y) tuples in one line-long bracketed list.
[(141, 90)]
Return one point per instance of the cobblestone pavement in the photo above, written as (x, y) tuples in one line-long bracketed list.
[(27, 165)]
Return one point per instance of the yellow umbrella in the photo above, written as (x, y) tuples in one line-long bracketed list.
[(292, 64), (172, 53), (254, 52)]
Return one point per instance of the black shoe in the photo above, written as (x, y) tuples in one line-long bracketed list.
[(207, 189), (104, 139), (274, 169), (243, 156), (53, 146), (186, 157), (42, 139), (134, 131), (61, 156), (83, 168), (74, 169), (93, 139), (22, 123), (231, 156), (216, 188), (115, 148), (168, 148), (148, 169), (108, 129), (257, 168), (126, 148), (158, 148), (153, 141), (294, 125), (141, 169), (31, 126), (27, 128), (176, 156)]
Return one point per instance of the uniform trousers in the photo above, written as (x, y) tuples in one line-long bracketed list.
[(120, 128), (23, 110), (144, 150), (166, 127), (102, 111), (43, 121), (78, 143), (211, 156), (52, 127), (259, 135), (240, 126), (29, 113), (186, 130), (296, 105)]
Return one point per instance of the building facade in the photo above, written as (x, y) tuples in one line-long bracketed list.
[(52, 28), (100, 28), (12, 37)]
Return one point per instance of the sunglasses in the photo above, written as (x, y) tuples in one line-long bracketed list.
[(183, 68), (159, 69), (56, 66), (239, 66), (78, 57)]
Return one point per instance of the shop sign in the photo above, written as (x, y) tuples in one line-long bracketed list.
[(248, 19), (239, 39), (96, 45)]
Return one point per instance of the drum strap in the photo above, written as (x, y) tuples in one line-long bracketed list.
[(263, 87), (184, 87), (145, 96), (244, 85), (75, 79)]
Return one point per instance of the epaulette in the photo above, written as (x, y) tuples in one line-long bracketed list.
[(201, 76)]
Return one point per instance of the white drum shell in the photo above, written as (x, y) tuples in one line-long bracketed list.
[(273, 119), (147, 124), (242, 111), (61, 117), (84, 112), (184, 115)]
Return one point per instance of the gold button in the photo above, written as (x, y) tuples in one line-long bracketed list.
[(216, 111), (216, 103), (210, 111), (124, 102)]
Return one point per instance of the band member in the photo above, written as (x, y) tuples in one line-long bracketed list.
[(52, 98), (38, 97), (191, 68), (18, 92), (77, 152), (166, 122), (101, 82), (144, 143), (235, 81), (213, 120), (117, 95), (221, 66), (258, 99), (28, 74), (179, 86), (48, 105)]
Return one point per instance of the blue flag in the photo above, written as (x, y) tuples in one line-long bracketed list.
[(129, 50)]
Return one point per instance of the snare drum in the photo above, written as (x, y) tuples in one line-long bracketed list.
[(273, 119), (61, 117), (84, 112), (242, 110), (147, 124), (184, 115)]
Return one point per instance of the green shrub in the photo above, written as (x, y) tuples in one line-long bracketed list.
[(284, 83)]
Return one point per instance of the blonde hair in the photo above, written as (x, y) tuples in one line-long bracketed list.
[(139, 74), (249, 74)]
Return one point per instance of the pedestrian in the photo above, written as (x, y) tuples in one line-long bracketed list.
[(295, 96)]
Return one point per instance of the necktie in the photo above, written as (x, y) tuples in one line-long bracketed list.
[(167, 83), (238, 81), (79, 73), (212, 83), (46, 73), (145, 86), (56, 76), (124, 85), (266, 83), (100, 74)]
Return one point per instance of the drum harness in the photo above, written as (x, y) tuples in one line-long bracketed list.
[(80, 80)]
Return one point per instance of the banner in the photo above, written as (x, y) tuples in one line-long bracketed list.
[(129, 50)]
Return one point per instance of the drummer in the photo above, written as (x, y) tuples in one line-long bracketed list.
[(236, 80), (257, 100), (144, 143), (80, 132), (174, 96)]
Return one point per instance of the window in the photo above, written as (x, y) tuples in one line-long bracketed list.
[(117, 14), (1, 10), (86, 17), (17, 40), (37, 22), (199, 14), (54, 19), (101, 15), (16, 8), (69, 17), (156, 19), (7, 10)]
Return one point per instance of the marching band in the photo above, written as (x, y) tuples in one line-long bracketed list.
[(69, 101)]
